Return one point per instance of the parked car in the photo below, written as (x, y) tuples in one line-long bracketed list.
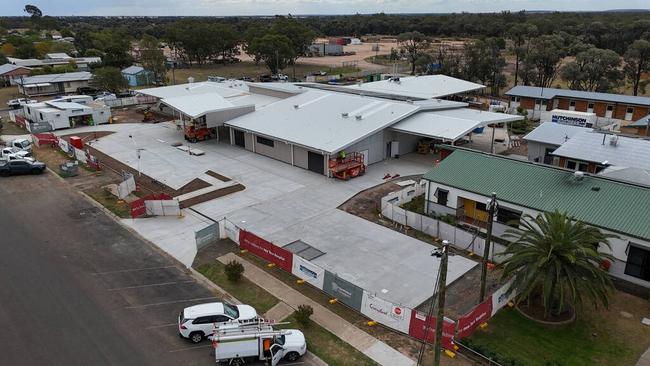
[(197, 322), (21, 144), (17, 103), (266, 78), (102, 96), (21, 166), (87, 90), (246, 78), (8, 153)]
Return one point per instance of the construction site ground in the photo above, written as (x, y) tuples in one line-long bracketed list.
[(463, 294)]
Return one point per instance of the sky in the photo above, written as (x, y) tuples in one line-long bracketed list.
[(272, 7)]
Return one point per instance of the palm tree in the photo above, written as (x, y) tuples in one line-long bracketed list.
[(556, 258)]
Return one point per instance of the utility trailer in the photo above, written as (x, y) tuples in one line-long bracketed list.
[(348, 166), (236, 343)]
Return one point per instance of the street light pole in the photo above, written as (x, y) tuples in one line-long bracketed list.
[(492, 205), (138, 153), (440, 319)]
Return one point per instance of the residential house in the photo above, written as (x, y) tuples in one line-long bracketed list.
[(66, 112), (610, 108), (9, 73), (461, 184), (51, 84), (62, 59), (543, 140), (137, 75)]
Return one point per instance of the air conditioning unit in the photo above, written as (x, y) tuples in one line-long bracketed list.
[(613, 140)]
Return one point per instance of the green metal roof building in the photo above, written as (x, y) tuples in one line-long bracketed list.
[(609, 204)]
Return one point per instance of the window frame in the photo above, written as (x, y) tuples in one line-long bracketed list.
[(265, 141), (643, 266)]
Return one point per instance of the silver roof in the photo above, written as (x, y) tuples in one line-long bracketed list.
[(550, 93), (10, 67), (590, 146), (132, 70), (554, 133), (56, 78), (420, 87)]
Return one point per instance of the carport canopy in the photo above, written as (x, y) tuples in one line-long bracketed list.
[(451, 124), (195, 106)]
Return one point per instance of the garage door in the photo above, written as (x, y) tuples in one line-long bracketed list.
[(316, 162), (239, 138)]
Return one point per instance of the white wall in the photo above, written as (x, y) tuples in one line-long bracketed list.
[(374, 144)]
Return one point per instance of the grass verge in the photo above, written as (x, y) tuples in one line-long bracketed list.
[(105, 198), (329, 347), (245, 290), (598, 337)]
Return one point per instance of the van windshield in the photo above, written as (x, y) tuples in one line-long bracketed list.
[(230, 310), (24, 143)]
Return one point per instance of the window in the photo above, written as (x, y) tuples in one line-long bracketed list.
[(572, 103), (590, 106), (515, 99), (265, 141), (508, 216), (481, 206), (230, 310), (67, 84), (638, 263), (570, 164), (442, 195), (629, 110), (41, 114), (219, 319), (583, 167), (610, 108), (203, 320)]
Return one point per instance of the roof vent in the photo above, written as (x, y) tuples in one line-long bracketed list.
[(358, 117), (595, 188), (395, 79), (296, 106), (613, 140), (344, 114), (578, 176), (409, 101)]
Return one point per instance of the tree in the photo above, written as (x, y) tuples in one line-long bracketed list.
[(556, 259), (8, 49), (109, 78), (26, 50), (542, 62), (3, 58), (300, 36), (484, 63), (593, 70), (272, 49), (115, 45), (637, 62), (33, 11), (302, 315), (412, 43), (520, 35), (234, 271), (152, 57), (42, 48)]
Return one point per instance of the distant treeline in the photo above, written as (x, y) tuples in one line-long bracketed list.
[(605, 30)]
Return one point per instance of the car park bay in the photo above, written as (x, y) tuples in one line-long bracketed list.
[(79, 289)]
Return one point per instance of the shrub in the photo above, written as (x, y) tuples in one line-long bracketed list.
[(234, 270), (303, 313)]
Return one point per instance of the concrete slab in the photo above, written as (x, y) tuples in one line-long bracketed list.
[(279, 312), (385, 355), (283, 204)]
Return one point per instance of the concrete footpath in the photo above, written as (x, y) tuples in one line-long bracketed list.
[(375, 349)]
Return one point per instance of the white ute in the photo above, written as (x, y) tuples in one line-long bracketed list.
[(12, 153), (198, 321), (235, 344)]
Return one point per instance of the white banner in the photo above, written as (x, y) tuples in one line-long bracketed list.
[(308, 271), (500, 297), (63, 145), (395, 316), (80, 155), (231, 231), (126, 187)]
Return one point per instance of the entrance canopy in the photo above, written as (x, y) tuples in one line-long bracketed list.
[(451, 124)]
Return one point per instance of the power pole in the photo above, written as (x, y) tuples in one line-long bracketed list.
[(444, 258), (492, 205)]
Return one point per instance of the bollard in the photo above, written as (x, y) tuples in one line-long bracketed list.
[(300, 282), (333, 301), (271, 265), (450, 353), (371, 323), (243, 251)]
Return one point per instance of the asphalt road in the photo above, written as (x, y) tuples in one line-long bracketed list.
[(76, 288)]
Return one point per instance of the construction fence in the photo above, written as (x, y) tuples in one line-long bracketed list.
[(129, 101), (155, 205), (409, 321)]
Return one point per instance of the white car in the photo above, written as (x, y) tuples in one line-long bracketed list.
[(12, 153), (197, 322), (21, 144), (17, 103)]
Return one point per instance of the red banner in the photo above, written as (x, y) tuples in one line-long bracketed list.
[(20, 121), (418, 329), (468, 322), (46, 139), (138, 208), (262, 248)]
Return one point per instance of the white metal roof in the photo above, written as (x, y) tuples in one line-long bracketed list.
[(67, 105), (198, 105), (450, 124), (225, 89), (596, 147), (59, 55), (422, 87), (315, 119), (554, 133), (55, 78)]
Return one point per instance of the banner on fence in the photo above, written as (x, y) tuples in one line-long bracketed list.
[(501, 297), (468, 322), (138, 208), (20, 120), (346, 292), (385, 312), (41, 139), (418, 329), (80, 155), (231, 231), (63, 145), (308, 271), (262, 248), (207, 235)]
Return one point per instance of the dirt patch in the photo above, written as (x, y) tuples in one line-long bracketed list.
[(10, 128), (134, 114)]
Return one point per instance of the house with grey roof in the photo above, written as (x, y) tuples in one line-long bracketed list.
[(51, 84), (463, 181), (610, 108), (9, 73), (547, 137), (137, 75)]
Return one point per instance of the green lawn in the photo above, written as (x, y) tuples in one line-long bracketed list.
[(329, 347), (245, 290), (598, 337), (249, 69), (105, 198)]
